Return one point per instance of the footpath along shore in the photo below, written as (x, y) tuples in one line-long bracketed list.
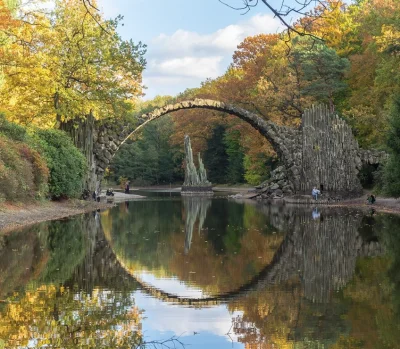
[(13, 216)]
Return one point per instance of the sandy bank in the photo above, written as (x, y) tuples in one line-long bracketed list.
[(13, 216)]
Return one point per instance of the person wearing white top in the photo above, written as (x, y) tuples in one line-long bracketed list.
[(315, 192)]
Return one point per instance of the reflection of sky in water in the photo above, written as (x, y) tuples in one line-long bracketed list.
[(170, 285), (197, 328)]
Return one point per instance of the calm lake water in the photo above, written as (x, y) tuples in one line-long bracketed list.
[(211, 273)]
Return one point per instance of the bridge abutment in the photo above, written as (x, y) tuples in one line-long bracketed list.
[(322, 153)]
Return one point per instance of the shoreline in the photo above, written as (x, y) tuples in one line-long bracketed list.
[(383, 205), (18, 215)]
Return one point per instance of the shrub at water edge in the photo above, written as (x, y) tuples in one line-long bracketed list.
[(66, 163)]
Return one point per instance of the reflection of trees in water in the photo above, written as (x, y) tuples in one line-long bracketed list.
[(234, 245), (68, 243), (140, 235), (321, 253), (332, 294), (21, 256), (195, 210), (40, 312), (322, 295), (57, 317), (279, 317), (46, 252)]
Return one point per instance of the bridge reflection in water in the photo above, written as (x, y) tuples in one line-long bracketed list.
[(277, 273), (319, 253)]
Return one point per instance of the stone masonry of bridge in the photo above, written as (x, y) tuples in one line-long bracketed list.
[(322, 151)]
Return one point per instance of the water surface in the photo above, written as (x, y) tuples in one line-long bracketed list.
[(211, 273)]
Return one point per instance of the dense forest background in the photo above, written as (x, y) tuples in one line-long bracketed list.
[(67, 64)]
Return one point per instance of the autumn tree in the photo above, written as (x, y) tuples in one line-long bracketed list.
[(57, 316), (373, 74), (6, 18), (63, 65), (6, 22)]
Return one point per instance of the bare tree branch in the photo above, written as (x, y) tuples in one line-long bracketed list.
[(173, 342), (282, 11)]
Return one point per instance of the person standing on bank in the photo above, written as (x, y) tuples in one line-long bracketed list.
[(127, 187), (315, 192)]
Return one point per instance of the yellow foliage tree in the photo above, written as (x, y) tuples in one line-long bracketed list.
[(63, 65), (57, 317)]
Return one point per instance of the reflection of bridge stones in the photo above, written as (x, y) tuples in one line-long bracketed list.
[(320, 252), (100, 267), (321, 152), (321, 249)]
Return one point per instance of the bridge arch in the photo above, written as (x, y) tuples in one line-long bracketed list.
[(111, 136), (268, 129)]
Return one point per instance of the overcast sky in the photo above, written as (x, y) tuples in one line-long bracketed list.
[(188, 40)]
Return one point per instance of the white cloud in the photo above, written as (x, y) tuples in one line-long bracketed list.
[(198, 67), (173, 59), (224, 40)]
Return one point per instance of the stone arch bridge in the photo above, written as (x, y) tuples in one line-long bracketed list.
[(321, 152)]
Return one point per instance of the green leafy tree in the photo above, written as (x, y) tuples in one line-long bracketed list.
[(235, 151), (151, 158), (215, 156), (322, 69), (391, 176), (258, 168)]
